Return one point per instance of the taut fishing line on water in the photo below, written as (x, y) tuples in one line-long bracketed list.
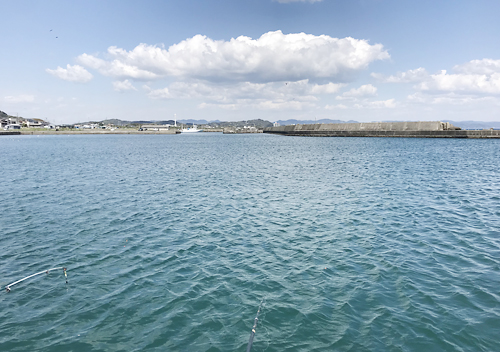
[(8, 287), (254, 327)]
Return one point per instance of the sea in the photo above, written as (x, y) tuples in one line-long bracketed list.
[(172, 242)]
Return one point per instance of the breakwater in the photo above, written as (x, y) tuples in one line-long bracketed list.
[(421, 129), (9, 133)]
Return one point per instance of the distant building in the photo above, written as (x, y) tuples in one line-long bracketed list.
[(155, 127)]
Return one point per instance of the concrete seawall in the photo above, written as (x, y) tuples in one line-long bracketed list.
[(425, 129)]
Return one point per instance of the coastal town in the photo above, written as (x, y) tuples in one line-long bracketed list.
[(18, 125)]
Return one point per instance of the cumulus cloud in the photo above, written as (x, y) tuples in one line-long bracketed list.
[(478, 83), (379, 104), (274, 71), (328, 88), (272, 57), (389, 103), (116, 68), (479, 67), (121, 86), (335, 107), (262, 96), (476, 76), (19, 98), (416, 75), (366, 90), (268, 105), (289, 91), (74, 73), (451, 99)]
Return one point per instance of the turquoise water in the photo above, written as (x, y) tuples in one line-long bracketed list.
[(171, 242)]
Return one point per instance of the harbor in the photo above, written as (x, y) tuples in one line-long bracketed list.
[(167, 240)]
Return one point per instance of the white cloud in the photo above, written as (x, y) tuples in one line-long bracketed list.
[(74, 73), (477, 83), (379, 104), (474, 77), (262, 96), (450, 99), (91, 61), (389, 103), (269, 105), (453, 99), (328, 88), (115, 68), (418, 97), (163, 93), (335, 107), (232, 92), (272, 57), (479, 67), (416, 75), (19, 99), (218, 106), (366, 90), (274, 71), (121, 86)]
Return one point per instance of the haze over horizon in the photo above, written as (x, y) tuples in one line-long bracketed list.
[(363, 60)]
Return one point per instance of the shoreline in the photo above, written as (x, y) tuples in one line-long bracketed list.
[(95, 131), (53, 132)]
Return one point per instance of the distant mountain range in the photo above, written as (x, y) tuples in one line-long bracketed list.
[(259, 123), (220, 124), (475, 125), (308, 122), (466, 125)]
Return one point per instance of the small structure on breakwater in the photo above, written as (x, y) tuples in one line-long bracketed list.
[(420, 129)]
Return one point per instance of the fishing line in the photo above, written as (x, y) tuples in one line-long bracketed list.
[(7, 288), (252, 334), (262, 323)]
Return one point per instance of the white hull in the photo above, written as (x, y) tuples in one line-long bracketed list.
[(191, 130)]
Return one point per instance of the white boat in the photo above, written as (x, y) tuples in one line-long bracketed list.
[(12, 127), (193, 129)]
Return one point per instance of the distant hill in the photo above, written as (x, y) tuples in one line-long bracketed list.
[(466, 125), (475, 125), (308, 122), (164, 122), (3, 115), (259, 123), (220, 124), (254, 123), (115, 122), (197, 122), (118, 122)]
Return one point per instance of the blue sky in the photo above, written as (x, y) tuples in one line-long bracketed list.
[(228, 60)]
